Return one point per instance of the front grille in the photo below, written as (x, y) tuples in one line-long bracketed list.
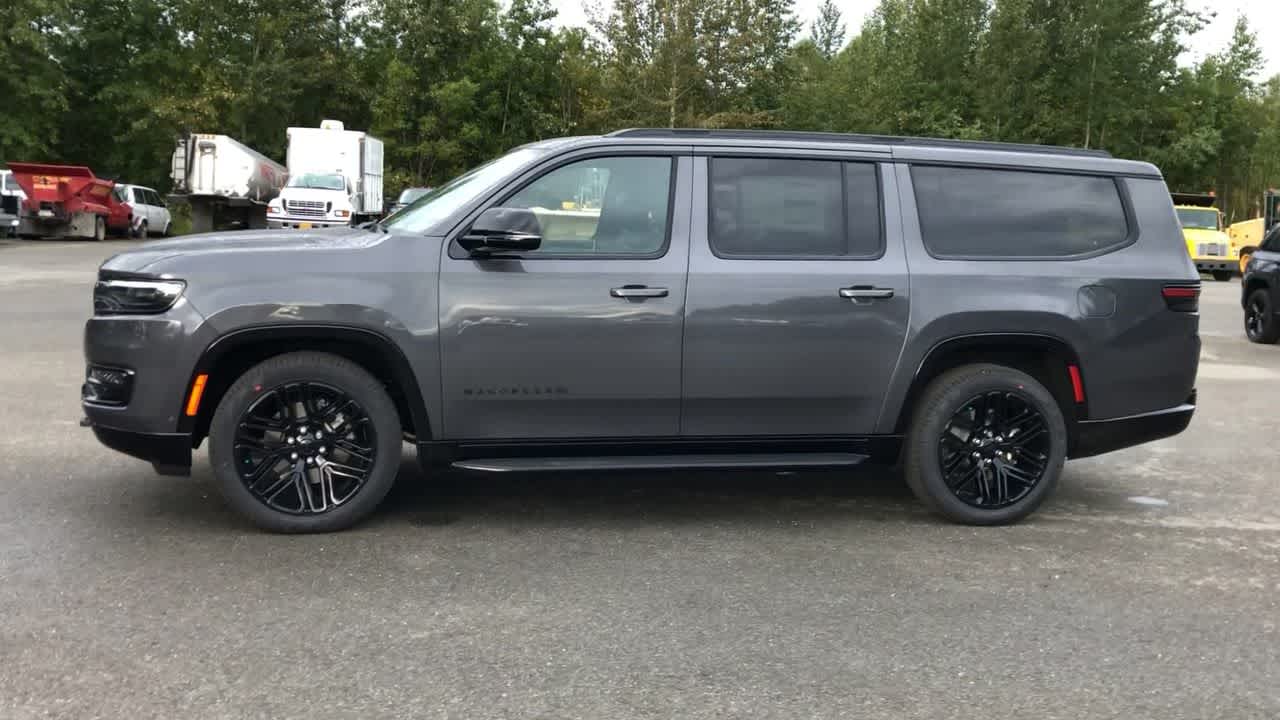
[(1213, 249), (306, 212), (306, 204)]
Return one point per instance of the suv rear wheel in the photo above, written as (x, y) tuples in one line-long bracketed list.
[(1260, 318), (305, 442), (986, 446)]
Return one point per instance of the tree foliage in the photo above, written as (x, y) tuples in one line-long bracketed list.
[(450, 83)]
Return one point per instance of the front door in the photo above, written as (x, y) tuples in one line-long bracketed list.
[(580, 338), (798, 296)]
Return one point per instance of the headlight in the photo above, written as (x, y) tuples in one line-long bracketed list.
[(342, 213), (135, 297), (273, 210)]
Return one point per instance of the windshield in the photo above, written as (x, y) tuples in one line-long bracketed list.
[(318, 181), (10, 183), (427, 211), (412, 194), (1198, 219)]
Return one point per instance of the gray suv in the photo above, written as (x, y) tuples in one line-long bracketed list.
[(657, 299)]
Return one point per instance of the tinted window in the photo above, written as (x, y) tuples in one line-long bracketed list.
[(975, 212), (614, 205), (794, 208), (139, 196), (1271, 243), (153, 198)]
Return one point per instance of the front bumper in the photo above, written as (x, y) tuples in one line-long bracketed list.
[(1209, 265), (278, 222), (1095, 437), (168, 453), (159, 352)]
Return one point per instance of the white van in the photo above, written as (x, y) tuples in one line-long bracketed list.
[(150, 214)]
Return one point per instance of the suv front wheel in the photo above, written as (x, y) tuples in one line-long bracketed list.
[(305, 442), (986, 446)]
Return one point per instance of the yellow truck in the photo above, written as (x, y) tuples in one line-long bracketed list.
[(1246, 236), (1202, 229)]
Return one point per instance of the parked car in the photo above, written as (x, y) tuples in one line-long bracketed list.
[(1260, 288), (11, 196), (654, 299), (407, 196), (150, 213)]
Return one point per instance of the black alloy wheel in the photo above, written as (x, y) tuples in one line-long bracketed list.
[(304, 448), (994, 450)]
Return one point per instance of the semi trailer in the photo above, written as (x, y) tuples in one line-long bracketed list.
[(227, 184)]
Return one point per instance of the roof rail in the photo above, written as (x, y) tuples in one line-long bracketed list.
[(829, 137)]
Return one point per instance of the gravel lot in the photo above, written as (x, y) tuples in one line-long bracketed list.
[(1147, 588)]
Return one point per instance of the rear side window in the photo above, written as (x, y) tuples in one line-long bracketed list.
[(987, 213), (139, 196), (772, 207)]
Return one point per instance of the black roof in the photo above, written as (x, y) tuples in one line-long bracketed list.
[(826, 137)]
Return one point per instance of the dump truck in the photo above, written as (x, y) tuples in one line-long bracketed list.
[(226, 183), (1246, 236), (1205, 235), (64, 201)]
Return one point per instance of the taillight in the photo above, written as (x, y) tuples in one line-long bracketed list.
[(1182, 298)]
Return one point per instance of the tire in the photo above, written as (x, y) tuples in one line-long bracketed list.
[(165, 231), (255, 393), (1223, 275), (1260, 324), (142, 231), (99, 228), (949, 397)]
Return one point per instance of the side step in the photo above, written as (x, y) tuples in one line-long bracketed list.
[(661, 462)]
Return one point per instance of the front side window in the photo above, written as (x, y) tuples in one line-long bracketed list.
[(10, 184), (429, 213), (601, 206), (139, 197), (784, 208), (987, 213), (154, 198)]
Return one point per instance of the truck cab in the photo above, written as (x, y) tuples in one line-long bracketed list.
[(1205, 236), (312, 200)]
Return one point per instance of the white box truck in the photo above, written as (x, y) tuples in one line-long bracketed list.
[(226, 183), (335, 178)]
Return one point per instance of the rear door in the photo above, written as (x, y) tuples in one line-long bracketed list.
[(798, 295), (580, 338)]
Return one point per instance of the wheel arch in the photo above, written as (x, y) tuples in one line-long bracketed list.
[(230, 355), (1042, 356)]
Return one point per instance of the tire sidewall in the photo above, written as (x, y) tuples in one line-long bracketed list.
[(309, 367), (941, 401)]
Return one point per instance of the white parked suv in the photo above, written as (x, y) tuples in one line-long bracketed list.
[(150, 214)]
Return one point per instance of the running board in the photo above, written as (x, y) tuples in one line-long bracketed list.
[(661, 462)]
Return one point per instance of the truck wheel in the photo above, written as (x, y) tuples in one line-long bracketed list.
[(1260, 318), (305, 442), (986, 446), (1223, 275)]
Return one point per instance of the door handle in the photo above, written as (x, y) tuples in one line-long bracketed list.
[(637, 291), (866, 292)]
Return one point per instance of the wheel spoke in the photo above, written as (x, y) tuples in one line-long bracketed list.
[(993, 450), (321, 424)]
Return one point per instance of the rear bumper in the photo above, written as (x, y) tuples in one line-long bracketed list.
[(168, 453), (1095, 437)]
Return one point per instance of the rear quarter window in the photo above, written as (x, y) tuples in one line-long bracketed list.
[(978, 213)]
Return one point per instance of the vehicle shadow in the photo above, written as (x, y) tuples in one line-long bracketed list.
[(446, 497)]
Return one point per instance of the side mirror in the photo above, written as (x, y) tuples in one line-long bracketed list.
[(503, 230)]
